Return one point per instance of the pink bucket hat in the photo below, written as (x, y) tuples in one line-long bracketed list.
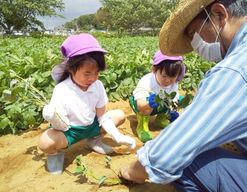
[(75, 45), (80, 44), (159, 57)]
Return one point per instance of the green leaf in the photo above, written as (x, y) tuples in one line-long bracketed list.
[(173, 95), (185, 101), (80, 170), (46, 74), (113, 85), (78, 160), (115, 96), (29, 116), (12, 73), (102, 180), (4, 123), (8, 96)]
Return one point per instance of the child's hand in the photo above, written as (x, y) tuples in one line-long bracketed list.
[(108, 125), (127, 140), (173, 116), (151, 101)]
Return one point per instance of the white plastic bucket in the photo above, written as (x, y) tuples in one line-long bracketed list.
[(55, 163)]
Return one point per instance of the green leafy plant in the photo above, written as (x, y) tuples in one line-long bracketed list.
[(91, 177), (18, 105), (195, 70), (168, 101), (128, 59), (165, 100), (32, 60)]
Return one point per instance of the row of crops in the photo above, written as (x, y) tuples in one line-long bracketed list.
[(25, 80)]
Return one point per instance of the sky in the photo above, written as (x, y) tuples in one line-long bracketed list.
[(73, 9)]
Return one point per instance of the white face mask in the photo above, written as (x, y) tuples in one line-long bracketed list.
[(208, 51)]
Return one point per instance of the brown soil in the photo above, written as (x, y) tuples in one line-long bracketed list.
[(22, 165)]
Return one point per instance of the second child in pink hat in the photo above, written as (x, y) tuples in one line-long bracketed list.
[(167, 71), (77, 109)]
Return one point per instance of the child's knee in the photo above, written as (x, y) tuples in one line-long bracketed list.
[(44, 143), (47, 142)]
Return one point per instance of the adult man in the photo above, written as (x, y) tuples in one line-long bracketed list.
[(186, 151)]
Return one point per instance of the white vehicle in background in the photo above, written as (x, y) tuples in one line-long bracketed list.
[(18, 33)]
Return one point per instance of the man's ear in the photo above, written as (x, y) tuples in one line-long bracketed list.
[(219, 12)]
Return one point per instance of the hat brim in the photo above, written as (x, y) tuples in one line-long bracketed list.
[(58, 70), (172, 37), (87, 50)]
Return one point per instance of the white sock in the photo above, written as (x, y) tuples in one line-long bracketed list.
[(98, 146)]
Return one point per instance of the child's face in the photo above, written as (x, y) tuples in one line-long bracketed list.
[(163, 79), (86, 75)]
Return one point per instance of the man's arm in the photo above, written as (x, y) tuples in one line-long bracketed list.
[(209, 121)]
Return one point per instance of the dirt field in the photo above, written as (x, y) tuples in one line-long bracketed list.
[(22, 165)]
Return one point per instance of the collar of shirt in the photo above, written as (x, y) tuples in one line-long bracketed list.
[(91, 88), (157, 85)]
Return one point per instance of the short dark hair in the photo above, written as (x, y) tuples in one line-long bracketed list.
[(172, 68), (74, 63), (236, 8)]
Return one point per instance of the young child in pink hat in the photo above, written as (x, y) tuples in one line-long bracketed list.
[(77, 109), (167, 71)]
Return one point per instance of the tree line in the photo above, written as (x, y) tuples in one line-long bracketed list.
[(22, 14), (120, 15), (130, 16)]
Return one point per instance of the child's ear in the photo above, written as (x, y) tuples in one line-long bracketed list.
[(70, 71)]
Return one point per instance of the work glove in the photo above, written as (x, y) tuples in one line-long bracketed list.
[(173, 116), (151, 100)]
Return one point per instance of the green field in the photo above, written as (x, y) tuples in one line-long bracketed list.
[(26, 63)]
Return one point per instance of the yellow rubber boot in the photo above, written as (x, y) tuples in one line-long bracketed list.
[(142, 127)]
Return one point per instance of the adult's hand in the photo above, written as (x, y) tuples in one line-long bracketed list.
[(134, 172)]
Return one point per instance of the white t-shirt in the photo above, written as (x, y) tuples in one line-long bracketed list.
[(148, 83), (77, 105)]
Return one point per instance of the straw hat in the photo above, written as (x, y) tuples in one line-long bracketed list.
[(172, 40)]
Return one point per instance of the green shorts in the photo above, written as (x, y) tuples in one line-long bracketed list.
[(77, 133)]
